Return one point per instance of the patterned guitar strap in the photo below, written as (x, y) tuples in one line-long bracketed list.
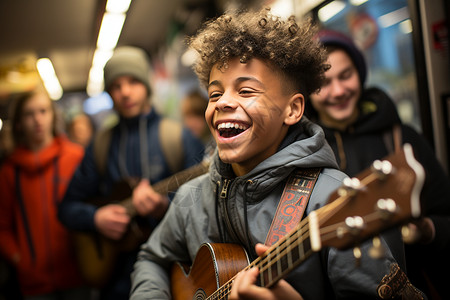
[(292, 204)]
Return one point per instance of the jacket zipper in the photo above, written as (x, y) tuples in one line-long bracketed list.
[(224, 197), (224, 192)]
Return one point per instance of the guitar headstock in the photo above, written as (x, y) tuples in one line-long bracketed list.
[(384, 196)]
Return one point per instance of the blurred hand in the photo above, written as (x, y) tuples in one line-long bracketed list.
[(147, 201), (244, 285), (112, 221), (420, 231)]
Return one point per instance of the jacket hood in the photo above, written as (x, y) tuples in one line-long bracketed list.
[(377, 112), (303, 147), (30, 161)]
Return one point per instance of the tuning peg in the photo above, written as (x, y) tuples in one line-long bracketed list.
[(382, 168), (349, 187), (387, 207), (377, 250), (410, 235), (357, 254), (355, 224)]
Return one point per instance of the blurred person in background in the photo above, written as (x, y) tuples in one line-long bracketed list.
[(131, 149), (6, 141), (33, 180), (193, 107), (362, 124), (80, 129)]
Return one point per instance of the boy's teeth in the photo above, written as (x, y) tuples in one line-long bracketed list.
[(230, 125)]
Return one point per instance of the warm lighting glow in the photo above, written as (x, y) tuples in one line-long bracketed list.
[(110, 30), (48, 75), (330, 10), (118, 6)]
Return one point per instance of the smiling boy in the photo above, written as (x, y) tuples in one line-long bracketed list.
[(257, 69)]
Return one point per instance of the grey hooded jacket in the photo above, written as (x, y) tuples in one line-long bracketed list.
[(218, 207)]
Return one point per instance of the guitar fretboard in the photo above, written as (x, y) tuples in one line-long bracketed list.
[(282, 258), (170, 184)]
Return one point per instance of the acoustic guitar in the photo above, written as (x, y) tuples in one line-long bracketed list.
[(96, 254), (386, 195)]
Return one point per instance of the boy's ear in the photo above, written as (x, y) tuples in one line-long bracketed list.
[(295, 109)]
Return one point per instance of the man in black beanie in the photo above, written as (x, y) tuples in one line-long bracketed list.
[(361, 125), (133, 148)]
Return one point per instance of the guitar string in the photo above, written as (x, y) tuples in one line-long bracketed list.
[(298, 236)]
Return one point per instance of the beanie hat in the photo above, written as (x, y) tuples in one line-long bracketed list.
[(334, 38), (130, 61)]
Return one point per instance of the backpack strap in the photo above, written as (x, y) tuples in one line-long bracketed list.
[(293, 203), (170, 136), (101, 145)]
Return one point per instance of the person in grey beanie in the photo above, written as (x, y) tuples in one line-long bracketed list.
[(135, 147), (361, 124)]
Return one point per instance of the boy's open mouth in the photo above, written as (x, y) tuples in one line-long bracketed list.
[(229, 129)]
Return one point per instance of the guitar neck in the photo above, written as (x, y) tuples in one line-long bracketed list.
[(170, 184), (279, 260)]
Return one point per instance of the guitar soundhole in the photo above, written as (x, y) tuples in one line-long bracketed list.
[(200, 294)]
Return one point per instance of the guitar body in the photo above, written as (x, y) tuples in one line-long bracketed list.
[(213, 266), (96, 254), (96, 257)]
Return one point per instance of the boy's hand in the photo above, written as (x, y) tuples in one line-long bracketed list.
[(148, 202), (244, 285)]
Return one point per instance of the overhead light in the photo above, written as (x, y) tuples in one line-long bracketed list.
[(108, 36), (110, 30), (95, 81), (357, 2), (101, 56), (94, 88), (406, 26), (330, 10), (48, 75), (394, 17), (117, 6)]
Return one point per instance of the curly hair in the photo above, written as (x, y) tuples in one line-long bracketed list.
[(289, 45)]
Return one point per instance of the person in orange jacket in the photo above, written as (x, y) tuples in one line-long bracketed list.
[(33, 180)]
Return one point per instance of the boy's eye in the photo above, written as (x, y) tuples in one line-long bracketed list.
[(326, 82), (214, 95), (247, 91), (134, 81), (347, 74)]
